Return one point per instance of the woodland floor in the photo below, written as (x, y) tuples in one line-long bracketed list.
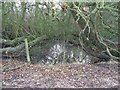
[(59, 76)]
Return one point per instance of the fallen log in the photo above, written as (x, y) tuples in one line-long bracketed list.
[(14, 41), (21, 46)]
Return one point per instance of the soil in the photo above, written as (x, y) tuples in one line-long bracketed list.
[(18, 74)]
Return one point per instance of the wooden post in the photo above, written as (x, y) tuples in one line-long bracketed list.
[(27, 51)]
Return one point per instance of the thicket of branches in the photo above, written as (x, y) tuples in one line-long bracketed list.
[(99, 30), (93, 26)]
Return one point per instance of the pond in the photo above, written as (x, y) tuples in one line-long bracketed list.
[(58, 52)]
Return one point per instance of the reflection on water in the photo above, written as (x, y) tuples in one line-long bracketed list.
[(60, 52)]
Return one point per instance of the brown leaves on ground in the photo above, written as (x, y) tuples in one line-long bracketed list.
[(63, 76)]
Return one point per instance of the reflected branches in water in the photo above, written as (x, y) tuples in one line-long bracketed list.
[(60, 52)]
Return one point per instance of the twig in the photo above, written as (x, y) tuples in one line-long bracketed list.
[(10, 69)]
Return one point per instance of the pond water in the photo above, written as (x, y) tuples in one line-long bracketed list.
[(58, 52)]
